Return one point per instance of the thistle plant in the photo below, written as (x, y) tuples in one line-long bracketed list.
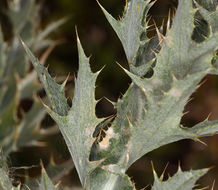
[(19, 83), (165, 71)]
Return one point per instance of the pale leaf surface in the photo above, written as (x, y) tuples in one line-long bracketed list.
[(179, 181)]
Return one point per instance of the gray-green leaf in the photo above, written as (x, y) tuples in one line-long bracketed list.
[(180, 181)]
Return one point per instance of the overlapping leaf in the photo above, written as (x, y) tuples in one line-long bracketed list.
[(149, 114), (131, 28), (162, 97), (16, 84), (78, 122), (175, 79)]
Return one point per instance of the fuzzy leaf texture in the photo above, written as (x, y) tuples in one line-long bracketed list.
[(78, 123), (181, 180), (181, 65), (131, 30), (150, 112), (131, 26)]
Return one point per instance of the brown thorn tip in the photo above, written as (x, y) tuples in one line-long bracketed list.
[(119, 65), (43, 103), (65, 81), (101, 69), (207, 118), (162, 175), (41, 164), (98, 100), (24, 45), (210, 168), (126, 3), (144, 188), (77, 36), (68, 75), (110, 101), (152, 166), (185, 113), (202, 142), (99, 3), (212, 188)]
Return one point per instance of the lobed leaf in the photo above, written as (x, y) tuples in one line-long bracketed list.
[(149, 113), (160, 100), (55, 173), (58, 102), (132, 26), (78, 122), (181, 180)]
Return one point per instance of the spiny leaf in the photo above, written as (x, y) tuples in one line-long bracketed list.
[(132, 31), (114, 146), (54, 91), (173, 56), (162, 118), (155, 122), (132, 26), (15, 81), (55, 173), (78, 122), (78, 125), (46, 183), (205, 128), (179, 54), (141, 70), (148, 109), (149, 114), (180, 181)]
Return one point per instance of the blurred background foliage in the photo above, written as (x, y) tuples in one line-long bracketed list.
[(101, 42)]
